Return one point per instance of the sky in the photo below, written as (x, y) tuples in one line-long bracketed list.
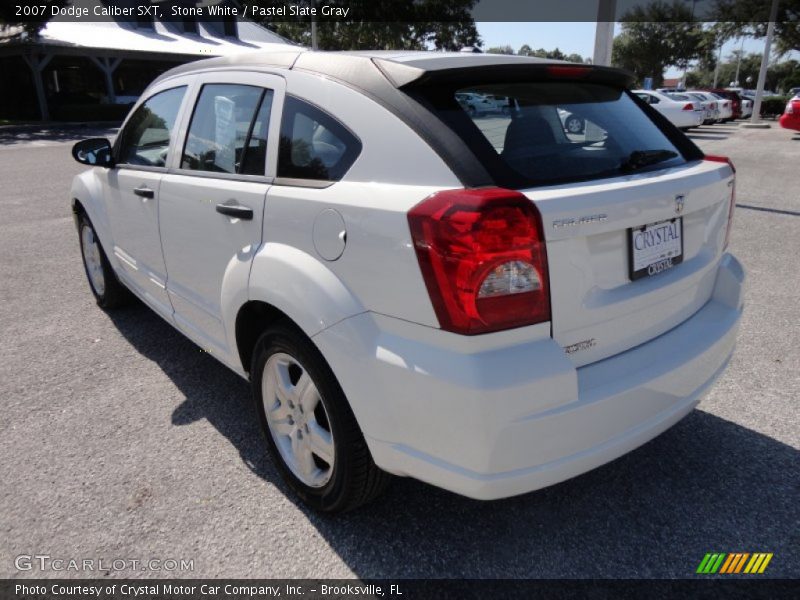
[(571, 37)]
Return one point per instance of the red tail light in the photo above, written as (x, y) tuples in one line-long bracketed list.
[(725, 159), (689, 106), (483, 258)]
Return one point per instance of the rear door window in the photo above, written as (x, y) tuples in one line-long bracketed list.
[(228, 132), (550, 132)]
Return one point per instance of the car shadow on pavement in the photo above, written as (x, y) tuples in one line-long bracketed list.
[(706, 485), (13, 136), (705, 135)]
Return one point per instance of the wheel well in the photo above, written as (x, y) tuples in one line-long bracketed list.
[(77, 207), (253, 318)]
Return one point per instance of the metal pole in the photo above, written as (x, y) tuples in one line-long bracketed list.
[(314, 45), (716, 67), (762, 74), (686, 68), (604, 33), (739, 64)]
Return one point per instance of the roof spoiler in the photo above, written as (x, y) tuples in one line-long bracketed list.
[(405, 76)]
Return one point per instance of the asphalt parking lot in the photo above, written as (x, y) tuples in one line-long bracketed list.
[(121, 439)]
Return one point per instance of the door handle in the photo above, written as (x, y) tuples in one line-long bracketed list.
[(144, 192), (235, 210)]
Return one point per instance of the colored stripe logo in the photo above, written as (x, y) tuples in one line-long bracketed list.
[(734, 562)]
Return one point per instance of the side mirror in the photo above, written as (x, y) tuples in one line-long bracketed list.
[(95, 152)]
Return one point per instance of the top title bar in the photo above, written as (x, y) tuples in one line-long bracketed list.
[(349, 11)]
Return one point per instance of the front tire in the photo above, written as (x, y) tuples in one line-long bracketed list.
[(106, 288), (311, 431)]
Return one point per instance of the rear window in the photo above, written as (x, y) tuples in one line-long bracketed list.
[(550, 132)]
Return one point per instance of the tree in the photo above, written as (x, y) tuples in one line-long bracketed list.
[(780, 76), (574, 57), (500, 50), (750, 17), (525, 50), (654, 37), (31, 26), (401, 25)]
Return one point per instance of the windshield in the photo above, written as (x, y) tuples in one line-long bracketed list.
[(552, 131)]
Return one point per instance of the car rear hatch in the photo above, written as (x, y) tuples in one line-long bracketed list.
[(635, 220), (598, 309)]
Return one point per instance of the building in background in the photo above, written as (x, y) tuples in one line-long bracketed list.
[(92, 71)]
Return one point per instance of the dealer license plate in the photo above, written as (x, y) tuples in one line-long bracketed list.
[(655, 248)]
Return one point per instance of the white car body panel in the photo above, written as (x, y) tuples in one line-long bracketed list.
[(495, 421), (489, 415)]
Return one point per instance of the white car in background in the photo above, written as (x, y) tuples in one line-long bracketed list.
[(747, 107), (488, 305), (710, 105), (476, 104), (725, 107), (683, 114), (722, 106)]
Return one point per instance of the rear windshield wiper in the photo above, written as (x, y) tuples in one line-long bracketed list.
[(644, 158)]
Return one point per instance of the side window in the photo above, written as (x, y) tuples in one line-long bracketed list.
[(228, 132), (313, 144), (145, 139)]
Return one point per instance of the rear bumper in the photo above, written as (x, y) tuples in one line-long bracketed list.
[(790, 121), (490, 419)]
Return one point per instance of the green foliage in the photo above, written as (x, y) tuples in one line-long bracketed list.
[(32, 25), (400, 25), (773, 106), (656, 36), (526, 50), (500, 50), (750, 17), (780, 76)]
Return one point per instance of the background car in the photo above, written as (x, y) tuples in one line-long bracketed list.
[(736, 101), (708, 107), (476, 104), (711, 103), (681, 113), (747, 107), (501, 103), (791, 115), (725, 107), (571, 123)]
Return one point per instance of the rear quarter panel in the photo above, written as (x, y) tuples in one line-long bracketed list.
[(378, 268)]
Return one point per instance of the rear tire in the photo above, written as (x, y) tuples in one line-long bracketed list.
[(106, 288), (310, 428)]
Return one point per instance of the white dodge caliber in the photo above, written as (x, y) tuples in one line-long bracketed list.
[(488, 303)]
